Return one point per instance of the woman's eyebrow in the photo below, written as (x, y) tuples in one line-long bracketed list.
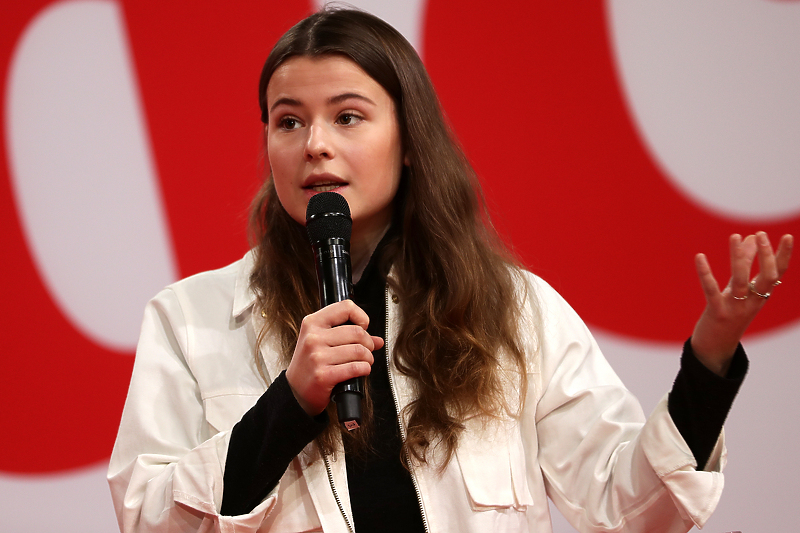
[(284, 101), (339, 98), (347, 96)]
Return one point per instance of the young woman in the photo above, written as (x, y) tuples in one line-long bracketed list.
[(486, 392)]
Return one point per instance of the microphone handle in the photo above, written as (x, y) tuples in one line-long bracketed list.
[(335, 280), (348, 395)]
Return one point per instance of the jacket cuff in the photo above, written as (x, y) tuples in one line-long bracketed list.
[(695, 493)]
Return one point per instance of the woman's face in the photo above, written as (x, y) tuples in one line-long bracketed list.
[(332, 127)]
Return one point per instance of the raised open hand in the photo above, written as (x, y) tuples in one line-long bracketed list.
[(729, 311)]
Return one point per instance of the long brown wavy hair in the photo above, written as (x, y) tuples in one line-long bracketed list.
[(455, 279)]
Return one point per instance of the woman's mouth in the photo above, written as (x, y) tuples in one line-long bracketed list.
[(323, 187)]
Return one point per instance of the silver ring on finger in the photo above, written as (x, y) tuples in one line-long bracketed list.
[(764, 295)]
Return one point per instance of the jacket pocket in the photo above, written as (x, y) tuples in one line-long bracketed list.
[(492, 462), (224, 410)]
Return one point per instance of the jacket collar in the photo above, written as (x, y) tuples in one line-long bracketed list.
[(243, 295)]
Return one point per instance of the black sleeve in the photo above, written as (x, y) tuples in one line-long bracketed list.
[(262, 445), (700, 400)]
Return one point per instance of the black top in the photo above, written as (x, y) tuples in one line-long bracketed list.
[(380, 484)]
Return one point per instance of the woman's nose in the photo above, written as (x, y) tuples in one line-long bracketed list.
[(318, 144)]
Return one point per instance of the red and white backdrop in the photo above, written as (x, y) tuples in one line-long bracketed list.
[(615, 140)]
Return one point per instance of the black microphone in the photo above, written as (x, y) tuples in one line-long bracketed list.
[(329, 226)]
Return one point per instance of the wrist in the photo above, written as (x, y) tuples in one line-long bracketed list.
[(716, 360), (305, 405)]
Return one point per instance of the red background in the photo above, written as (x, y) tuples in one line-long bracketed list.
[(541, 114)]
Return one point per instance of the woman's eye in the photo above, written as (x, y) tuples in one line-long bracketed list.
[(348, 119), (289, 123)]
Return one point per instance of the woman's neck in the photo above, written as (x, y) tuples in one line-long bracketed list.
[(361, 250)]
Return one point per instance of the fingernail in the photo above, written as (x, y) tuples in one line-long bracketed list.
[(762, 238)]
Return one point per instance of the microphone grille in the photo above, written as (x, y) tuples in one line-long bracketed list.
[(327, 217)]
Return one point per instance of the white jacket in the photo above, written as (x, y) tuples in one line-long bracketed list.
[(582, 438)]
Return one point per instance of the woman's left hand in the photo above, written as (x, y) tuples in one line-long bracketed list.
[(728, 312)]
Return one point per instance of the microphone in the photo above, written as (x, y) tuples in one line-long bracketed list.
[(329, 226)]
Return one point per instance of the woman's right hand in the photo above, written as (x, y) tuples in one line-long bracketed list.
[(328, 352)]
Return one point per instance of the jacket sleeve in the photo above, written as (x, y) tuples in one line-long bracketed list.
[(607, 467), (166, 470)]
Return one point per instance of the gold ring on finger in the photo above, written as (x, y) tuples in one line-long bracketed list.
[(764, 295)]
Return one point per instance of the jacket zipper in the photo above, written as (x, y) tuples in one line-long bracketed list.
[(402, 434), (336, 495), (400, 423)]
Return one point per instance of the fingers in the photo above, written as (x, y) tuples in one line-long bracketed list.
[(338, 313), (743, 253), (338, 324), (341, 354), (768, 269), (327, 333), (784, 254), (333, 375), (331, 337), (707, 280), (771, 265), (378, 343)]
